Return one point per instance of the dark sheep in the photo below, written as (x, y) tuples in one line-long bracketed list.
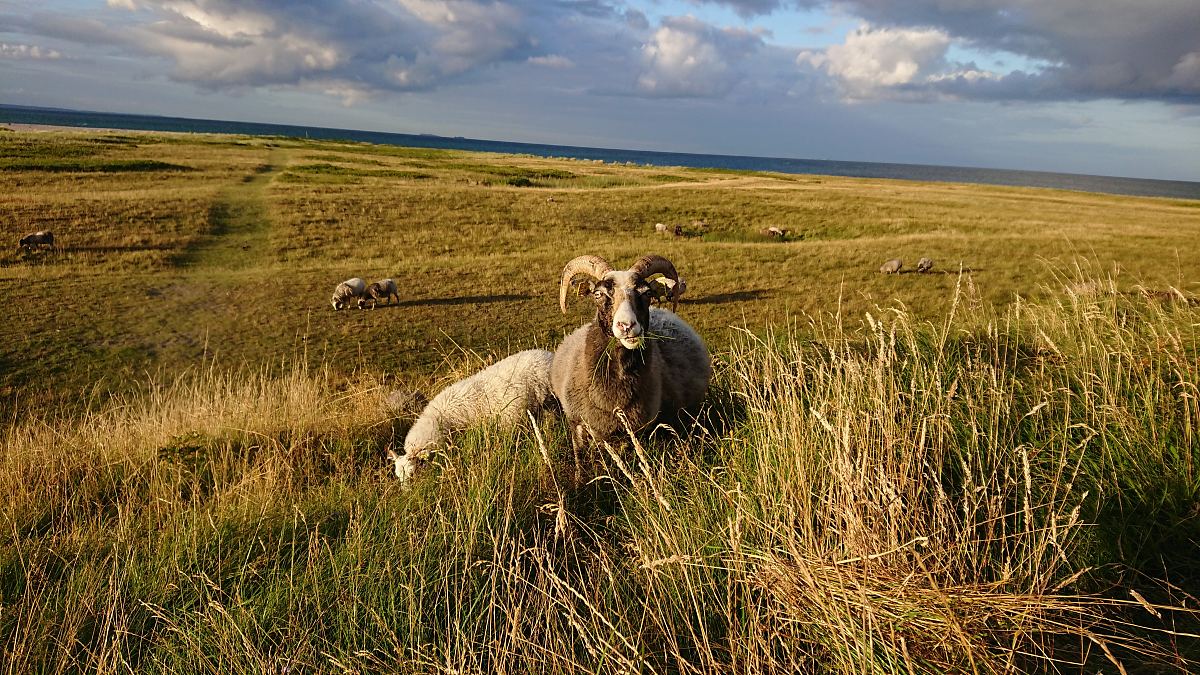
[(643, 361), (36, 240)]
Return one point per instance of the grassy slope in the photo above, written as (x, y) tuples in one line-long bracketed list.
[(965, 484)]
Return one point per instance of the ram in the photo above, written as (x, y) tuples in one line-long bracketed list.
[(384, 289), (502, 393), (633, 360)]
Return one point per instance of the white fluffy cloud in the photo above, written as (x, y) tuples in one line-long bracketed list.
[(893, 63), (874, 60), (687, 57)]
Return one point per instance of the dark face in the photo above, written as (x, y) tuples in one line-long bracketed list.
[(623, 307)]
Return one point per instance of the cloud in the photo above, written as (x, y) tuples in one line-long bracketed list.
[(28, 52), (1078, 49), (876, 63), (748, 8), (686, 57), (551, 61), (327, 45), (905, 50)]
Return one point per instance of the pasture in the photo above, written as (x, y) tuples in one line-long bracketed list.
[(988, 468)]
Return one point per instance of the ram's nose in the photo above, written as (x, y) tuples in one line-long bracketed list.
[(627, 329)]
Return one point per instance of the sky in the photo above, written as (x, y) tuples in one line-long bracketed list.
[(1108, 87)]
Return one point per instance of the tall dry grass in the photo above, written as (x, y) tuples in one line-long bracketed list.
[(1001, 491)]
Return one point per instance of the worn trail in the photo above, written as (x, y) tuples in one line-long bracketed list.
[(240, 225)]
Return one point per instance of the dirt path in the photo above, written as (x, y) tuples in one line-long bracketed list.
[(239, 236)]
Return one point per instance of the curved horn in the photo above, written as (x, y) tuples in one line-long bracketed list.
[(649, 265), (590, 265)]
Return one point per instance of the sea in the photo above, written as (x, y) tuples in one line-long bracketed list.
[(1143, 187)]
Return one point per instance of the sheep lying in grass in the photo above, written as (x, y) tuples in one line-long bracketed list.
[(346, 291), (643, 361), (385, 289), (924, 265), (891, 267), (36, 240), (502, 392)]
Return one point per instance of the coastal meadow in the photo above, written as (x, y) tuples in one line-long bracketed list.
[(991, 468)]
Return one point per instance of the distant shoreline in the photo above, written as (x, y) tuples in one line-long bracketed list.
[(46, 119), (17, 126)]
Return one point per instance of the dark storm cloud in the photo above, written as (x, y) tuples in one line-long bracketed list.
[(341, 46), (750, 8)]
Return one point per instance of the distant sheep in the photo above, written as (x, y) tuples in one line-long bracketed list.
[(346, 291), (891, 267), (36, 240), (775, 232), (385, 289), (502, 392), (924, 265), (672, 230)]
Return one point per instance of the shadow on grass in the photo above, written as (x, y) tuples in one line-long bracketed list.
[(949, 273), (119, 249), (735, 296), (462, 300)]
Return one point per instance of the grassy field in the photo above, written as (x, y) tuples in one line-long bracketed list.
[(991, 468)]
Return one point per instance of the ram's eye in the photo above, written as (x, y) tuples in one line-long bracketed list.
[(598, 294)]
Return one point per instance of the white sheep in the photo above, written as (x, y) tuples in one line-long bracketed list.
[(502, 393), (346, 291), (891, 267)]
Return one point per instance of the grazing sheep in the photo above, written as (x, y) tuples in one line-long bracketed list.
[(891, 267), (673, 230), (924, 265), (385, 288), (36, 240), (347, 290), (502, 392), (775, 232), (643, 361)]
